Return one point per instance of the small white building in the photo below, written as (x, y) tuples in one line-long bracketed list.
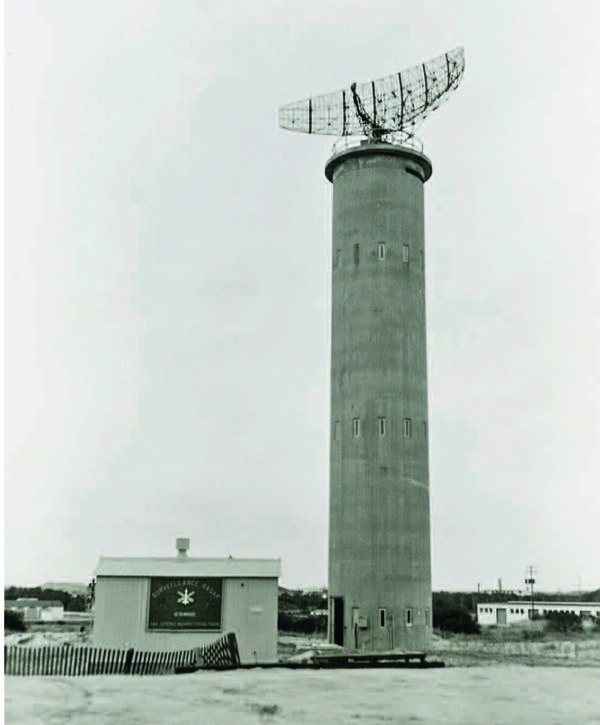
[(36, 610), (177, 603), (511, 612)]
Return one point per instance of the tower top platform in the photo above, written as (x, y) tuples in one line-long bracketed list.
[(366, 147)]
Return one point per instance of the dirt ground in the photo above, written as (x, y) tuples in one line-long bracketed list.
[(495, 694)]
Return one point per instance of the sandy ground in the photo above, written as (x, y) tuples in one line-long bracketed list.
[(497, 694), (46, 639)]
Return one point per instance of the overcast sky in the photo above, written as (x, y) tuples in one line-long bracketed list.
[(167, 282)]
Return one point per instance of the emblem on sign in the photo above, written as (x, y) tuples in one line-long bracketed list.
[(185, 597)]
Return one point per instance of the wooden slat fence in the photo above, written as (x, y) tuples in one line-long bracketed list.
[(77, 661)]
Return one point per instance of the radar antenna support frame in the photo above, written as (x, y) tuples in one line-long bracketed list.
[(369, 125)]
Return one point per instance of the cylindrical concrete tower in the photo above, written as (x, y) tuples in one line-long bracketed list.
[(379, 534)]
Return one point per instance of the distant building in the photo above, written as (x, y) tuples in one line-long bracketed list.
[(511, 612), (36, 610), (176, 603)]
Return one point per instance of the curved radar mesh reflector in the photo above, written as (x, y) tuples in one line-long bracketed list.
[(397, 103)]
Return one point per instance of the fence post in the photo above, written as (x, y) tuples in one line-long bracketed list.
[(128, 661), (233, 648)]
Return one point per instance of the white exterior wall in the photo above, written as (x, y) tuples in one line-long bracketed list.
[(51, 614), (487, 613), (249, 609), (31, 613), (40, 614)]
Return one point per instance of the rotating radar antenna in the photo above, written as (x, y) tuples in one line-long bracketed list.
[(397, 104)]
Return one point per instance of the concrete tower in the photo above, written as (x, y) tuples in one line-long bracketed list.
[(379, 532)]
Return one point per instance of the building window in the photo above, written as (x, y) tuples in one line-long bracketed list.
[(356, 253), (338, 257), (381, 426), (407, 428), (381, 251), (382, 617), (427, 616), (336, 430), (356, 427), (409, 617), (405, 253)]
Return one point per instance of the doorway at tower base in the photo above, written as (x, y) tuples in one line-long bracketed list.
[(378, 630)]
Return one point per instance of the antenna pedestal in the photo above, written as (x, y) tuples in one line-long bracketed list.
[(365, 148)]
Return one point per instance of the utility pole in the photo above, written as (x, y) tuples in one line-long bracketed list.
[(530, 579)]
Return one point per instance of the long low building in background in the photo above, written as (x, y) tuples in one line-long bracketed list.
[(36, 610), (170, 604), (511, 612)]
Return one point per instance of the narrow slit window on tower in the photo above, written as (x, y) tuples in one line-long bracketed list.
[(409, 618), (356, 253), (381, 251), (338, 257), (407, 428), (336, 430), (382, 617), (356, 427), (381, 426), (427, 616), (405, 249)]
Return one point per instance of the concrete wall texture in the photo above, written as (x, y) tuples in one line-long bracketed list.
[(379, 532)]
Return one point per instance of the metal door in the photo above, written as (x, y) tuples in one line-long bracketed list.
[(338, 620)]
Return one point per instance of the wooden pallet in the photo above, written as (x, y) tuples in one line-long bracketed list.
[(408, 660), (355, 660)]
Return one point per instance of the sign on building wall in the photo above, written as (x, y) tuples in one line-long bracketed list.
[(185, 603)]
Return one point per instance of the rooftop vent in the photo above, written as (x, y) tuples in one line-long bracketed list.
[(182, 545)]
